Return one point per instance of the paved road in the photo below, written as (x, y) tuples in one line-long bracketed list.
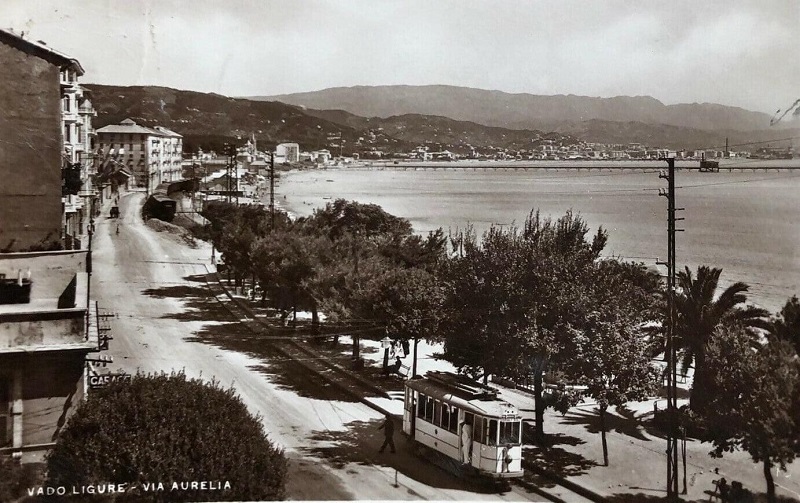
[(168, 321)]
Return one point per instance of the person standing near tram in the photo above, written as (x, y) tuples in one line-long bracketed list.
[(388, 433), (466, 442)]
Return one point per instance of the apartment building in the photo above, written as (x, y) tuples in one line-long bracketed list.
[(151, 155)]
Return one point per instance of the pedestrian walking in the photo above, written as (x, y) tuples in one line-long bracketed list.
[(388, 433)]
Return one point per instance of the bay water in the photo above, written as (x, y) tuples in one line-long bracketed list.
[(747, 223)]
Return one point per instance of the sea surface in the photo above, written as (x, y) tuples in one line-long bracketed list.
[(747, 223)]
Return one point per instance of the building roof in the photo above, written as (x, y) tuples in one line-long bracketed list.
[(167, 132), (128, 127), (40, 49)]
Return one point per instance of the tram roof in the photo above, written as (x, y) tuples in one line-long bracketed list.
[(487, 404)]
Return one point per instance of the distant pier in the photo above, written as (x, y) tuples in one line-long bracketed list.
[(725, 165)]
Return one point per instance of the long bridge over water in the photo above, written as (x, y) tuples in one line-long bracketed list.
[(725, 165)]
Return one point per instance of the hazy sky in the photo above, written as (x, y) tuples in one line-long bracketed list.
[(742, 53)]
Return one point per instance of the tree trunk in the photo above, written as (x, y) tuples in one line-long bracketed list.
[(700, 386), (315, 322), (538, 389), (414, 364), (603, 433), (770, 481)]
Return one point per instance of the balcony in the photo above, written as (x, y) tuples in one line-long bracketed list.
[(69, 116)]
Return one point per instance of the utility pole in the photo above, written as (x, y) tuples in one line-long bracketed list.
[(671, 350), (272, 188)]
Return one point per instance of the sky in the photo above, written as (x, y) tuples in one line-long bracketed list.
[(732, 52)]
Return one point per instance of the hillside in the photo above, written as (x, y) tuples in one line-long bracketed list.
[(211, 119), (522, 111)]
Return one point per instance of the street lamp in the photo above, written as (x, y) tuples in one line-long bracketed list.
[(386, 343)]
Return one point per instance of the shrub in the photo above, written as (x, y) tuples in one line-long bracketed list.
[(16, 478), (168, 429)]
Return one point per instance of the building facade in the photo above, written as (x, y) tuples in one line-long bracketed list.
[(287, 152), (38, 83), (151, 155)]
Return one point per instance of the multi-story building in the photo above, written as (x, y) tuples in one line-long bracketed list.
[(287, 152), (76, 125), (47, 321), (151, 155), (46, 131), (171, 155)]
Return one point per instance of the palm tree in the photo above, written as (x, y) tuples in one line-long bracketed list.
[(699, 313)]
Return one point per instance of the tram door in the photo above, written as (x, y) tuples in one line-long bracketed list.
[(465, 438), (410, 412)]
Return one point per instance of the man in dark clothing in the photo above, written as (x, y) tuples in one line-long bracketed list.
[(388, 432)]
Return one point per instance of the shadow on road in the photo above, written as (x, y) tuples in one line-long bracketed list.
[(219, 328), (555, 460), (626, 423), (360, 443)]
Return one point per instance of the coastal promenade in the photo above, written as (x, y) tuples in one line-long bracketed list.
[(573, 458)]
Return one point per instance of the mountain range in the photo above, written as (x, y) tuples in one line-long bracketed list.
[(521, 110), (207, 120)]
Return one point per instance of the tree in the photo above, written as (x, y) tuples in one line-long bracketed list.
[(613, 364), (347, 217), (407, 302), (699, 313), (287, 263), (483, 307), (609, 350), (168, 428), (786, 325), (755, 404)]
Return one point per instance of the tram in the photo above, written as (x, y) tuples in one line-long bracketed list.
[(464, 422)]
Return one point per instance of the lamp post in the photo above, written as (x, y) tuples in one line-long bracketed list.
[(386, 343)]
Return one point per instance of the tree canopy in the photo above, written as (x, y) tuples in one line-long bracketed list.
[(755, 405)]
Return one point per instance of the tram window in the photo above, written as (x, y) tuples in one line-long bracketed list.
[(429, 409), (509, 432), (478, 432), (453, 424), (437, 413), (445, 422), (421, 402), (492, 439)]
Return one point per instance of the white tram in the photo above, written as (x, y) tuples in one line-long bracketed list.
[(466, 422)]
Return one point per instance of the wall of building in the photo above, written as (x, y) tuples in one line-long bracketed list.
[(42, 391), (30, 151)]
